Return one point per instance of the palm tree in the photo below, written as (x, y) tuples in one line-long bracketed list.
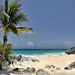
[(10, 17)]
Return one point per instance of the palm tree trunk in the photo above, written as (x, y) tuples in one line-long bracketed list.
[(3, 53)]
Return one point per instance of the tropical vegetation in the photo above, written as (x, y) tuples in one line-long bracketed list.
[(11, 16), (8, 51)]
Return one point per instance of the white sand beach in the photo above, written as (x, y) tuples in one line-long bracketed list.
[(58, 61)]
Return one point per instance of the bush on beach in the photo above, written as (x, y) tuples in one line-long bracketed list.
[(8, 51)]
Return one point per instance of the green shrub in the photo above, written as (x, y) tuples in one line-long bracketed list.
[(8, 51)]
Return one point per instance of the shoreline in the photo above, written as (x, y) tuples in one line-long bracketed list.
[(39, 53), (43, 55)]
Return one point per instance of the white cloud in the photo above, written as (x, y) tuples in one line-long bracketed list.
[(56, 44), (69, 42), (49, 44), (29, 44), (23, 45)]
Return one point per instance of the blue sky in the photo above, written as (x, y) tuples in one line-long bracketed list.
[(52, 20)]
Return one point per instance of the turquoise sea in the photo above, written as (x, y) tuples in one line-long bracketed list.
[(39, 52)]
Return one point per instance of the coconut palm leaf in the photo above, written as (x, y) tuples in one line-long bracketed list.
[(23, 34), (14, 8), (25, 29), (6, 6), (18, 34), (16, 16), (6, 15), (12, 28), (4, 18), (19, 18)]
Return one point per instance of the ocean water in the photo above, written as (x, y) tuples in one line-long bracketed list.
[(39, 52)]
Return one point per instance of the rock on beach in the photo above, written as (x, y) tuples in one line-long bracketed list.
[(71, 51)]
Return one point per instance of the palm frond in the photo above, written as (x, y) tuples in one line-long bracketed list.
[(18, 34), (23, 34), (6, 6), (22, 30), (4, 19), (19, 18), (16, 16), (13, 28), (6, 15), (11, 16), (25, 29), (14, 8)]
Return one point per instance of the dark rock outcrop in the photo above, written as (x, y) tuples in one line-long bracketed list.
[(66, 68), (71, 51), (42, 72), (19, 57), (72, 65), (49, 66), (30, 70), (22, 58), (26, 59), (16, 69), (34, 60)]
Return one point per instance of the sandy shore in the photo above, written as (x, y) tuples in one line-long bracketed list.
[(57, 61)]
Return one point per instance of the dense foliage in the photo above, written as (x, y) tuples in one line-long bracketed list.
[(8, 50), (10, 16)]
